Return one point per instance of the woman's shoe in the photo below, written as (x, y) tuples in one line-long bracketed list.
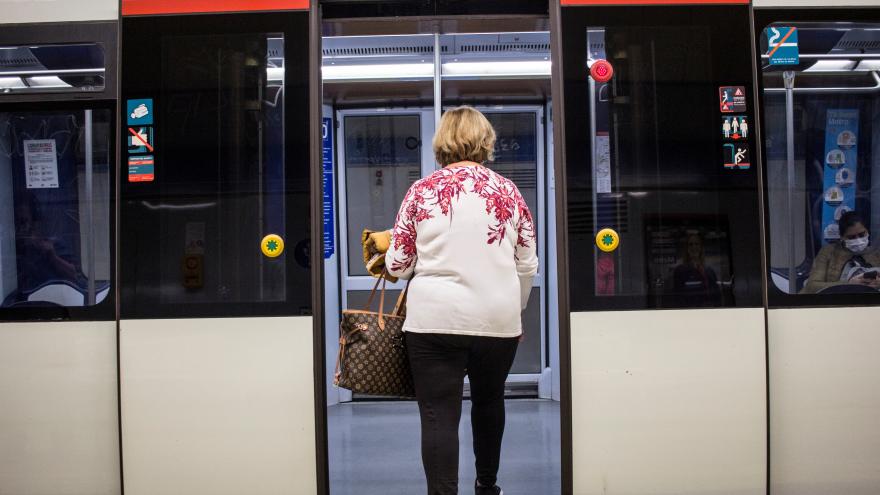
[(485, 490)]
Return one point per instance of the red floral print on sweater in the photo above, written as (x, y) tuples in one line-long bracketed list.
[(442, 189)]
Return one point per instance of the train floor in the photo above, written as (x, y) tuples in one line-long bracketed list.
[(374, 449)]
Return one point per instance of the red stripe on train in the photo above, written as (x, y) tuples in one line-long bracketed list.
[(148, 7)]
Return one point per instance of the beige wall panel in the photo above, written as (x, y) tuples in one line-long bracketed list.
[(669, 402), (218, 406), (18, 11), (58, 409), (815, 3), (825, 401)]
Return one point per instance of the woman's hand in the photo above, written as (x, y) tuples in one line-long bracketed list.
[(861, 279)]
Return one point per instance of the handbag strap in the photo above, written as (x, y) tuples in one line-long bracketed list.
[(380, 280), (400, 306)]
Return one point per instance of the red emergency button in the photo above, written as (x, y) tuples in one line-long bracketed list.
[(601, 71)]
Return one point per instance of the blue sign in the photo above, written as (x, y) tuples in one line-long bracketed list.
[(327, 187), (782, 45), (140, 112), (841, 152)]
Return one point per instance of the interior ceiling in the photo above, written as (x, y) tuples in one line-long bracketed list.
[(421, 93), (430, 25)]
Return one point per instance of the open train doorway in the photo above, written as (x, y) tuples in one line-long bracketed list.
[(385, 86)]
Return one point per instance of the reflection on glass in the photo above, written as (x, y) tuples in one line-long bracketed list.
[(55, 207), (821, 104), (382, 159), (656, 171), (220, 180)]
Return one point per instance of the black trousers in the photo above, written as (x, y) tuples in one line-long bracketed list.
[(439, 363)]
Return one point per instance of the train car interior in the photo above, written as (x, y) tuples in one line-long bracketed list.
[(385, 85), (55, 166), (821, 141)]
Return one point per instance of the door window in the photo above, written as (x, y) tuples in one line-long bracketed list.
[(662, 155), (221, 164), (821, 96), (382, 160), (55, 207)]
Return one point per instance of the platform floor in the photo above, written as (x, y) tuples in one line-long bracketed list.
[(374, 449)]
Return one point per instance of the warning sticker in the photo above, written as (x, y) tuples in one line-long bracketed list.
[(140, 139), (735, 127), (40, 163), (782, 46), (733, 99), (141, 168), (736, 156)]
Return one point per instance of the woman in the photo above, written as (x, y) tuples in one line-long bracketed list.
[(851, 260), (693, 281), (466, 238)]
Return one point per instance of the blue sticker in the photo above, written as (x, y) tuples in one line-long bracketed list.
[(140, 112), (782, 46), (327, 185)]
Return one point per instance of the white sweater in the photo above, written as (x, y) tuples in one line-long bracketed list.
[(469, 237)]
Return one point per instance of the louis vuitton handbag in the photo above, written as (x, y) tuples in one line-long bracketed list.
[(372, 356)]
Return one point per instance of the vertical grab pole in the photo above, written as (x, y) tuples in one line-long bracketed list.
[(592, 86), (438, 103), (788, 77), (90, 209)]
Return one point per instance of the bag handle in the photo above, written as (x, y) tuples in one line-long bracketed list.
[(380, 280), (400, 306)]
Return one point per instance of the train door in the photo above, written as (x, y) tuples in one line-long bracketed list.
[(216, 328), (381, 154), (382, 149), (662, 248), (383, 95), (59, 421), (820, 98), (520, 157)]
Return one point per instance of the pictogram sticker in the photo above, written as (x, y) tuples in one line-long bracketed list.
[(736, 156), (733, 99), (141, 168), (782, 46)]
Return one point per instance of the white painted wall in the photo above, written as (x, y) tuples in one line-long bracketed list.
[(669, 402), (58, 409), (18, 11), (814, 3), (824, 401), (218, 406)]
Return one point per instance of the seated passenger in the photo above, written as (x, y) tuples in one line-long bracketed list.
[(692, 280), (852, 260)]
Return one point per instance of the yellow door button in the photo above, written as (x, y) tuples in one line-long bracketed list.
[(607, 240), (272, 245)]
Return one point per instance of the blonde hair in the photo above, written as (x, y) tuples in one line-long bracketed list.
[(464, 135)]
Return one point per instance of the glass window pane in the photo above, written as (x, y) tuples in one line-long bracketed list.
[(649, 155), (220, 175), (55, 199), (821, 100), (52, 68), (383, 157)]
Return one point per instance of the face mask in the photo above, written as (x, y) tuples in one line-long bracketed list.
[(857, 245)]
